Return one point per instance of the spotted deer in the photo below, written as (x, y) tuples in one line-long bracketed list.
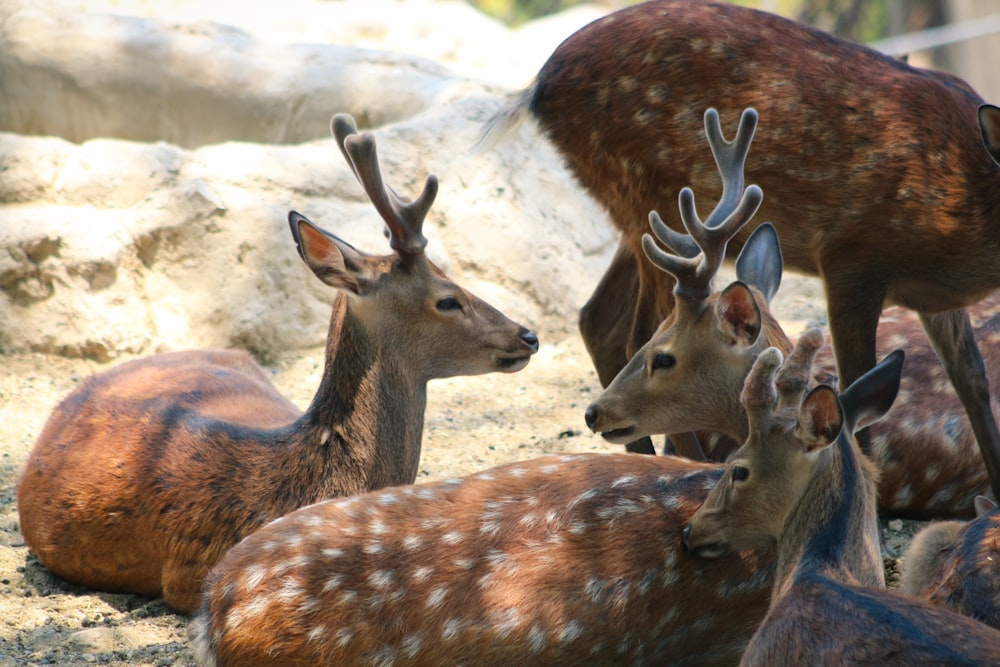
[(689, 375), (800, 482), (562, 560), (954, 564), (874, 171), (147, 473)]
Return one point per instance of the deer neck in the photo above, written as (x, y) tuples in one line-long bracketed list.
[(833, 531), (363, 429)]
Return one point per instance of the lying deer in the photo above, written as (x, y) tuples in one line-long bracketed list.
[(953, 564), (800, 481), (874, 169), (689, 375), (561, 560), (147, 473)]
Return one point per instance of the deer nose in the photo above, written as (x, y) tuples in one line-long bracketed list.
[(685, 536), (590, 416), (530, 339)]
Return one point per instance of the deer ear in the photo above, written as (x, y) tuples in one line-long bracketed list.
[(738, 315), (983, 505), (334, 261), (869, 397), (760, 263), (821, 418), (989, 123)]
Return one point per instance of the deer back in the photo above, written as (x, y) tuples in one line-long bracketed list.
[(953, 565), (147, 473), (925, 449), (573, 559), (621, 99)]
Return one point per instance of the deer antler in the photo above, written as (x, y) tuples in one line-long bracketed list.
[(700, 252), (759, 395), (404, 218), (793, 377)]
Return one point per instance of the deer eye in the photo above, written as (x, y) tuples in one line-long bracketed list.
[(740, 474), (448, 303), (663, 360)]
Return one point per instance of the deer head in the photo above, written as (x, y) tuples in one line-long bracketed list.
[(687, 376)]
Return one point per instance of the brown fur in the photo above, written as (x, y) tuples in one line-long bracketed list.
[(924, 448), (954, 566), (874, 171), (147, 473), (568, 560), (828, 606)]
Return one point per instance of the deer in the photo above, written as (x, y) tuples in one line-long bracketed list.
[(952, 564), (147, 473), (689, 375), (874, 169), (565, 559), (801, 484)]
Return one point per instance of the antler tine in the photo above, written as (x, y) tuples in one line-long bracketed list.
[(343, 126), (694, 271), (730, 158), (794, 376), (759, 394), (700, 252), (403, 217)]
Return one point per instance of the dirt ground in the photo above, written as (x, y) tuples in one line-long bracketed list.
[(472, 424)]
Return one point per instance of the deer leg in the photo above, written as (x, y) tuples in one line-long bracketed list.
[(853, 310), (950, 333), (606, 319), (686, 445), (606, 323)]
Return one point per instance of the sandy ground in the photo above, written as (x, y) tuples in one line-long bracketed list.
[(472, 424)]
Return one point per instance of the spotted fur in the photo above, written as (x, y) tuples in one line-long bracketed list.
[(573, 559), (874, 172)]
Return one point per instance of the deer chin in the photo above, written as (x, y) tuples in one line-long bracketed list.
[(622, 436), (511, 364)]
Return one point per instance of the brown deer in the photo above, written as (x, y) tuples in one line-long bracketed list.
[(953, 564), (147, 473), (563, 560), (801, 482), (689, 375), (874, 170)]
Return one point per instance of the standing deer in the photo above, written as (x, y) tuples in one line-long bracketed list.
[(874, 170), (689, 375), (146, 474), (953, 564), (801, 482)]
